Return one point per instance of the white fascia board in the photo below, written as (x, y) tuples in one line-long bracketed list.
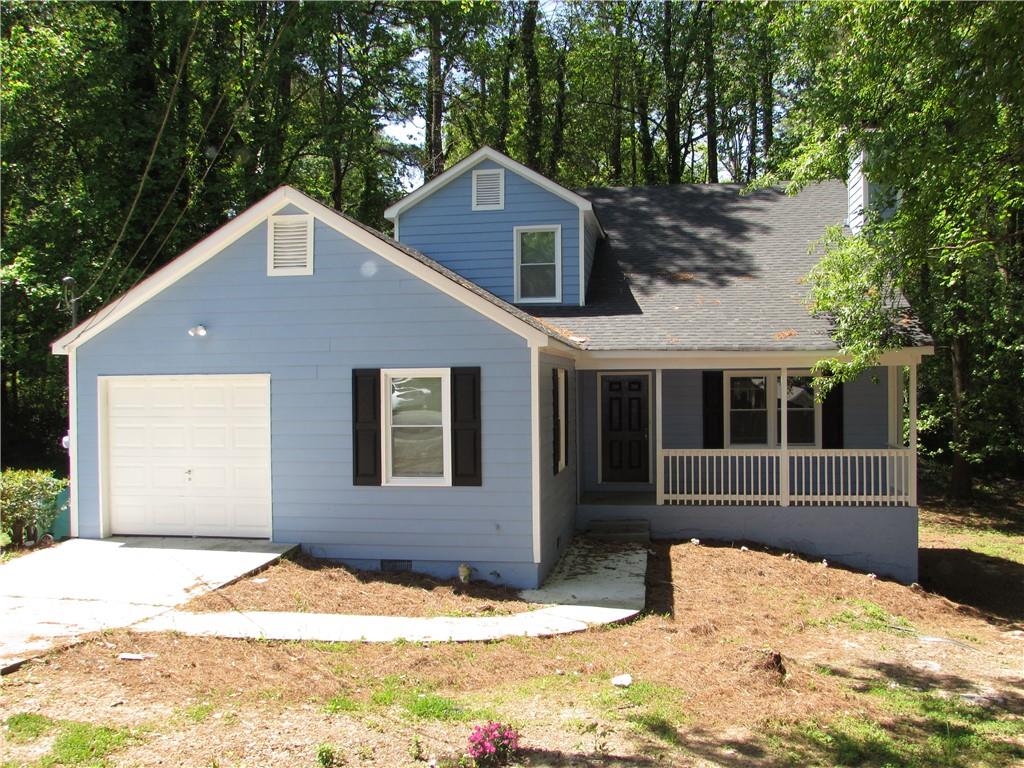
[(486, 153), (244, 223), (714, 359), (194, 257)]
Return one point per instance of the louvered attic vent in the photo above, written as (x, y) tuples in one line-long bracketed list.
[(489, 190), (290, 245)]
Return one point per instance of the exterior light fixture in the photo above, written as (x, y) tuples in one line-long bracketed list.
[(199, 330)]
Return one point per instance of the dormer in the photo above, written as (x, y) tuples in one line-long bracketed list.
[(504, 226)]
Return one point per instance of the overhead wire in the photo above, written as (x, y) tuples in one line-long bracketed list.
[(105, 311)]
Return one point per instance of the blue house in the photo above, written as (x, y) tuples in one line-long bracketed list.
[(519, 362)]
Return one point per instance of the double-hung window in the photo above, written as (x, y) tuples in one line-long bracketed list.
[(538, 256), (754, 410), (417, 424)]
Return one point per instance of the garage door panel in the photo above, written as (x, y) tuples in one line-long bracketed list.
[(210, 437), (189, 455)]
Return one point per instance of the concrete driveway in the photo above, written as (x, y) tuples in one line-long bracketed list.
[(86, 585)]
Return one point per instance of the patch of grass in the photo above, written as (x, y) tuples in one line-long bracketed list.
[(79, 743), (419, 702), (197, 713), (326, 646), (942, 711), (652, 708), (866, 616), (388, 693), (27, 726), (429, 706), (927, 731), (341, 703)]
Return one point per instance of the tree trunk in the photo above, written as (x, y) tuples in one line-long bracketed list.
[(434, 164), (751, 170), (615, 147), (710, 87), (532, 73), (671, 98), (960, 473), (767, 112), (558, 126), (646, 140), (504, 113)]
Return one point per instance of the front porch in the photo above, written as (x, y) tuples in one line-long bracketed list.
[(673, 446)]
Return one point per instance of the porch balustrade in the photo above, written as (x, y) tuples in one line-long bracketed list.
[(783, 477)]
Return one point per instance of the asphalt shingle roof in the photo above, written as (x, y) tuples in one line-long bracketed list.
[(703, 267)]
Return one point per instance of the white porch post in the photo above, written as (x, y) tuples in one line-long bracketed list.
[(659, 469), (783, 396), (912, 402)]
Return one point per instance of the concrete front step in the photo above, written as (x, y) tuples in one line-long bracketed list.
[(620, 530)]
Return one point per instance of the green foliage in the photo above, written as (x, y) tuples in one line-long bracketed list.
[(327, 756), (931, 93), (28, 502), (866, 616), (79, 743), (341, 703), (27, 726)]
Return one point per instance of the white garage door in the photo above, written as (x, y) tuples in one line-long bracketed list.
[(188, 455)]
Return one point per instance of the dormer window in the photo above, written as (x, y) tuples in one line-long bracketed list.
[(290, 245), (538, 252), (489, 189)]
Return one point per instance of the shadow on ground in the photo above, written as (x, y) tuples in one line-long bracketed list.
[(992, 586)]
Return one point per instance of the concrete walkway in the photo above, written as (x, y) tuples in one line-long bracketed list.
[(87, 585), (594, 583)]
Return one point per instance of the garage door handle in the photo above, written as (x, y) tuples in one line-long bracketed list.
[(188, 475)]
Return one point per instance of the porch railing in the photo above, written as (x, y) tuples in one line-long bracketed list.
[(795, 476)]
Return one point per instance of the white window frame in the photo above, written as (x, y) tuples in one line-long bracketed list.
[(516, 233), (386, 376), (563, 431), (282, 271), (500, 206), (772, 395)]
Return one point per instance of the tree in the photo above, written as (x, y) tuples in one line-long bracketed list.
[(931, 93)]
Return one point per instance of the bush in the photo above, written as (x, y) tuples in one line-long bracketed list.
[(28, 503), (493, 744)]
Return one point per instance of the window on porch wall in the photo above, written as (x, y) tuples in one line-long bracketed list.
[(751, 421)]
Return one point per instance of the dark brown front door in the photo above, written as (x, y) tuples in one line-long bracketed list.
[(624, 438)]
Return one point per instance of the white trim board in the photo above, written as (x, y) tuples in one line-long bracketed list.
[(493, 155), (242, 224)]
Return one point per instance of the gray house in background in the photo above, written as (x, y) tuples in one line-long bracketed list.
[(520, 361)]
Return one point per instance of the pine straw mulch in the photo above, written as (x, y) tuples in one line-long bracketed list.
[(308, 585), (718, 617)]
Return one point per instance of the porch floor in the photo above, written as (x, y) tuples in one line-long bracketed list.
[(626, 498)]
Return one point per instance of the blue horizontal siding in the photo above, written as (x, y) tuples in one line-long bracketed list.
[(356, 311), (479, 244)]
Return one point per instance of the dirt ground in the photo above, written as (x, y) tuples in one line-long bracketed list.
[(745, 657), (315, 586)]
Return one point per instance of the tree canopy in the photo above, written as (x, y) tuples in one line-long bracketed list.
[(131, 130)]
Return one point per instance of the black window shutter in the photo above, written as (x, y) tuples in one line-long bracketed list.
[(366, 418), (714, 415), (832, 418), (467, 458), (556, 423), (565, 416)]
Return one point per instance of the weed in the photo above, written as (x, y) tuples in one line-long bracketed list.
[(389, 691), (341, 703), (197, 713), (657, 725), (327, 756), (26, 726), (866, 616), (416, 749), (83, 742), (430, 706)]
